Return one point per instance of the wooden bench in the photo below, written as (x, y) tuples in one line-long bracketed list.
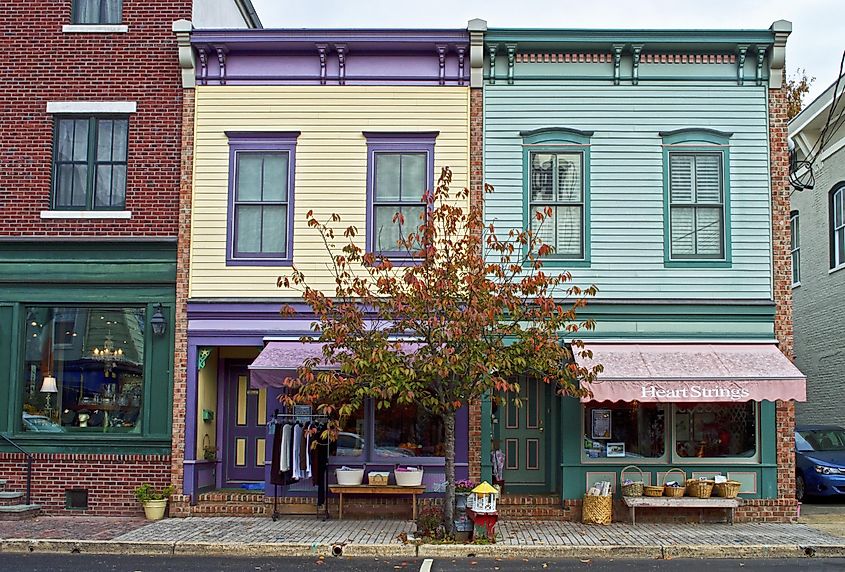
[(684, 502), (376, 490)]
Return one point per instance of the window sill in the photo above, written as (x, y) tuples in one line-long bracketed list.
[(268, 262), (697, 264), (83, 215), (95, 28), (563, 263), (836, 269), (796, 285)]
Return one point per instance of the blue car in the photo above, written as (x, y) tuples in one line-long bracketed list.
[(820, 461)]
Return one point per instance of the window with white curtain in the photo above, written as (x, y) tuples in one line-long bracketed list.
[(837, 227), (557, 182), (97, 11), (795, 248), (697, 205)]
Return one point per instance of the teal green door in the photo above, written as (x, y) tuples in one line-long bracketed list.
[(524, 440)]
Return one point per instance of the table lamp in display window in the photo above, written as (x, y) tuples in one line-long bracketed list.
[(48, 387)]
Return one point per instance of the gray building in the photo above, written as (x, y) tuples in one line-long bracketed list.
[(818, 254)]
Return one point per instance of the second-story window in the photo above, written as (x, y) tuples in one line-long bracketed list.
[(557, 182), (261, 195), (697, 206), (400, 170), (795, 248), (89, 170), (837, 226), (97, 11)]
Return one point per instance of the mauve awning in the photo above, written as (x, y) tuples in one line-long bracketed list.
[(672, 373), (279, 360)]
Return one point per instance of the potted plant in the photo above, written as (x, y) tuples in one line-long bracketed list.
[(154, 501), (209, 452)]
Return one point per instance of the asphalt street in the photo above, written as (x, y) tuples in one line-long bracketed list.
[(94, 563)]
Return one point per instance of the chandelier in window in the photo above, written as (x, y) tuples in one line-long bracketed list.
[(108, 355)]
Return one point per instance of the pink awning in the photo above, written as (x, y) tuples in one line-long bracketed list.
[(279, 360), (672, 373)]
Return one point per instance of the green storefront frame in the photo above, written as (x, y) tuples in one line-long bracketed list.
[(106, 274)]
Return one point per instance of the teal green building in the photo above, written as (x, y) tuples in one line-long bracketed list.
[(655, 152)]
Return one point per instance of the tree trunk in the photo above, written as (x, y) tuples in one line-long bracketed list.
[(449, 501)]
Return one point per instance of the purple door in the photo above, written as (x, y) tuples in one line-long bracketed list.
[(246, 429)]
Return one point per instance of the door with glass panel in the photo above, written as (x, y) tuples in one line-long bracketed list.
[(246, 433), (524, 439)]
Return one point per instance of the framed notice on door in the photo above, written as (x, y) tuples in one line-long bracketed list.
[(601, 424)]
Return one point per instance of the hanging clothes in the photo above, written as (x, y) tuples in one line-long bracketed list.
[(285, 447), (321, 458), (307, 452), (275, 455), (296, 445)]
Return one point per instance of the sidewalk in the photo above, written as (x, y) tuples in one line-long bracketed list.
[(307, 536)]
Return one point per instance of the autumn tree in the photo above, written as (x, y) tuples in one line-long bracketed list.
[(797, 86), (465, 313)]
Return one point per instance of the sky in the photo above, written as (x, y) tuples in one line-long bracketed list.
[(816, 43)]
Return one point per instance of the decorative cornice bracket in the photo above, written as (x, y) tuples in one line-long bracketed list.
[(761, 55), (187, 61), (461, 58), (777, 59), (492, 49), (740, 63), (476, 29), (341, 50), (321, 50), (441, 60), (221, 60), (637, 50), (617, 61), (511, 56)]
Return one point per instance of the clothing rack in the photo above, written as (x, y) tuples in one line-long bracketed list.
[(280, 419)]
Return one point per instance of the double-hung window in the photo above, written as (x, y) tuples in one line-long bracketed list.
[(261, 198), (97, 11), (795, 248), (837, 226), (556, 164), (697, 197), (89, 166), (557, 183), (697, 205), (400, 170)]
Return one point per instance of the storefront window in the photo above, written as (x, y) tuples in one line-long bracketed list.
[(408, 431), (624, 430), (713, 430), (83, 370), (351, 441)]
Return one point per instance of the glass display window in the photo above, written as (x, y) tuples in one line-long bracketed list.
[(408, 431), (716, 430), (624, 431), (83, 369)]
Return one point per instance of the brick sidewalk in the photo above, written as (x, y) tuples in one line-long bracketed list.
[(70, 527)]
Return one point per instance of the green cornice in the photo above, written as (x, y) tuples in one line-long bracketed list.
[(695, 40)]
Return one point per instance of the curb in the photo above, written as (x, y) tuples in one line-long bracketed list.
[(618, 552)]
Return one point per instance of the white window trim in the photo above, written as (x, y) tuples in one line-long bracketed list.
[(92, 107), (95, 28), (836, 269), (120, 215)]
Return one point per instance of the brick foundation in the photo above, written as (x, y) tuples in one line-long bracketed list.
[(109, 479)]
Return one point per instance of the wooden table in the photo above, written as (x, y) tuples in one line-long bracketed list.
[(376, 490), (682, 502)]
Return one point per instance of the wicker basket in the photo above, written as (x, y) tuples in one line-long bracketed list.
[(728, 489), (653, 491), (597, 509), (634, 489), (701, 489), (376, 478), (675, 492)]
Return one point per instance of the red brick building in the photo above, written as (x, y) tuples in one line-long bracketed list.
[(91, 103)]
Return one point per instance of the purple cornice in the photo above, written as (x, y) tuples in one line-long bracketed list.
[(332, 57)]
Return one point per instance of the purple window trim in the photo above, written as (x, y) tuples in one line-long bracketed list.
[(395, 142), (260, 141)]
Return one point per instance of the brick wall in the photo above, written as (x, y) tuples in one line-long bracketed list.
[(110, 480), (183, 260), (40, 63), (782, 289), (476, 185)]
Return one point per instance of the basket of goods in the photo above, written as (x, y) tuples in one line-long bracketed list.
[(348, 476), (674, 488), (408, 476), (700, 488), (598, 504), (377, 478), (632, 488), (653, 490), (728, 489)]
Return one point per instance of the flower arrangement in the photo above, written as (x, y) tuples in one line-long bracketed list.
[(465, 486)]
